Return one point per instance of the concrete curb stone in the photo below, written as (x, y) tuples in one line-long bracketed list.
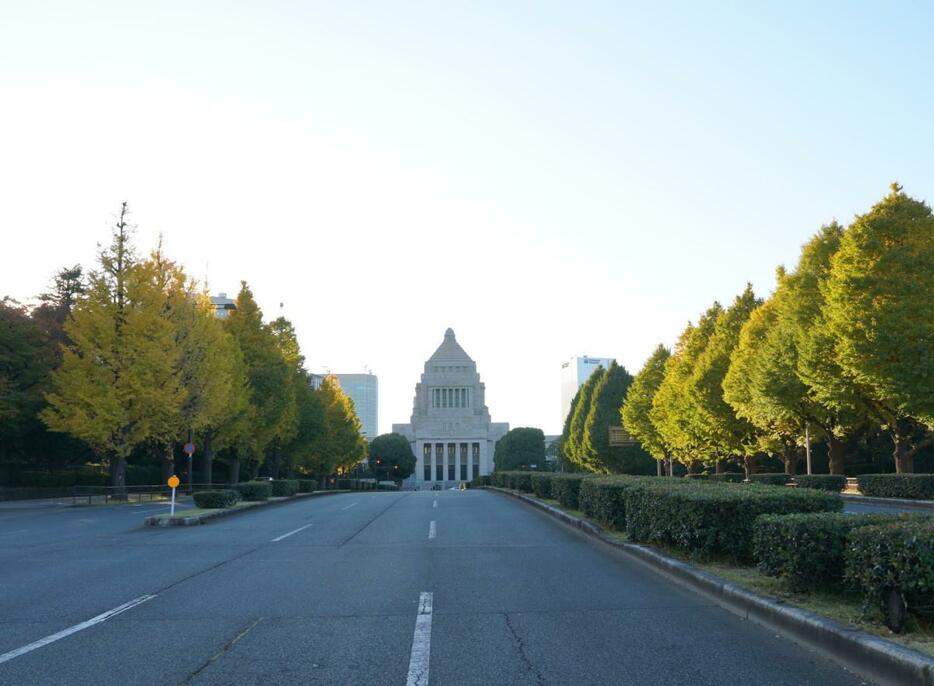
[(194, 520), (896, 502), (883, 661)]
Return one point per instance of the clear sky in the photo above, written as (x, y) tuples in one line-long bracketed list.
[(549, 179)]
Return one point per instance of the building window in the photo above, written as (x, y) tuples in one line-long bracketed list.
[(476, 460), (451, 457), (426, 455), (439, 461)]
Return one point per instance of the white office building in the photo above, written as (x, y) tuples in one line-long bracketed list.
[(574, 373), (450, 432), (363, 389)]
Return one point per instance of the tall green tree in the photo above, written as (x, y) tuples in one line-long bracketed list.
[(521, 447), (342, 446), (116, 384), (881, 313), (26, 359), (272, 398), (575, 444), (605, 401), (674, 410), (638, 403), (715, 422)]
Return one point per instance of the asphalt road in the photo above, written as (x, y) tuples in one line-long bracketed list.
[(376, 588)]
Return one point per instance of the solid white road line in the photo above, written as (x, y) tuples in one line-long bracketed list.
[(349, 506), (421, 643), (432, 530), (279, 538), (6, 657)]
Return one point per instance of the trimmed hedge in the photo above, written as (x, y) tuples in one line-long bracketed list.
[(541, 484), (480, 481), (387, 486), (774, 479), (895, 557), (822, 482), (729, 477), (915, 486), (521, 481), (307, 485), (807, 550), (499, 479), (254, 490), (216, 499), (708, 519), (605, 499), (565, 489), (284, 488)]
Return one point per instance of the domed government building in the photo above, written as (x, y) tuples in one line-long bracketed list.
[(451, 433)]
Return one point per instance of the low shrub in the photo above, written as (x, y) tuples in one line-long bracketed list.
[(521, 481), (254, 490), (307, 485), (775, 479), (807, 550), (345, 484), (284, 488), (541, 484), (915, 486), (709, 519), (893, 559), (499, 479), (604, 499), (729, 477), (565, 488), (822, 482), (46, 480), (697, 477), (216, 499), (480, 481)]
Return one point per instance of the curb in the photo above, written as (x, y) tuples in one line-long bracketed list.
[(873, 657), (195, 520), (883, 502)]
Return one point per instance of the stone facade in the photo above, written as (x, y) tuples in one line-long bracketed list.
[(451, 433)]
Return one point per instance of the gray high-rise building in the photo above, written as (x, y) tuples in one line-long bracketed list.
[(363, 389), (574, 373)]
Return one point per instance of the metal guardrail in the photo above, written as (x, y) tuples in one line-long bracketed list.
[(130, 493)]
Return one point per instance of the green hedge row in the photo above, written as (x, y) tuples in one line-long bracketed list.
[(216, 499), (254, 490), (284, 488), (480, 481), (915, 486), (894, 558), (713, 519), (729, 477), (307, 485), (604, 499), (565, 488), (773, 479), (808, 550), (822, 482), (541, 484)]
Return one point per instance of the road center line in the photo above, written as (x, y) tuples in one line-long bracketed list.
[(104, 616), (432, 530), (349, 506), (421, 643), (279, 538)]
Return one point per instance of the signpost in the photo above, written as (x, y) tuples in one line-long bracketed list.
[(173, 484)]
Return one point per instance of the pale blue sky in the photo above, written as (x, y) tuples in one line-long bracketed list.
[(549, 179)]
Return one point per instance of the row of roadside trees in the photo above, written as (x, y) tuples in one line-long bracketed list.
[(131, 362), (843, 346)]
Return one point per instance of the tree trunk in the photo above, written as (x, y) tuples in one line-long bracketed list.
[(234, 476), (749, 465), (836, 454), (694, 467), (118, 475), (168, 461), (207, 463), (658, 466), (718, 466), (904, 459), (790, 458)]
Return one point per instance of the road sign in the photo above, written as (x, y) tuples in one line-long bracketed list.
[(189, 449), (173, 481)]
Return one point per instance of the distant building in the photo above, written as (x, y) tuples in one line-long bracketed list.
[(223, 305), (315, 380), (574, 373), (450, 432), (363, 389), (549, 442)]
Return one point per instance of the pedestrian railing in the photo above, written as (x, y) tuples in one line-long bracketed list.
[(106, 494)]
